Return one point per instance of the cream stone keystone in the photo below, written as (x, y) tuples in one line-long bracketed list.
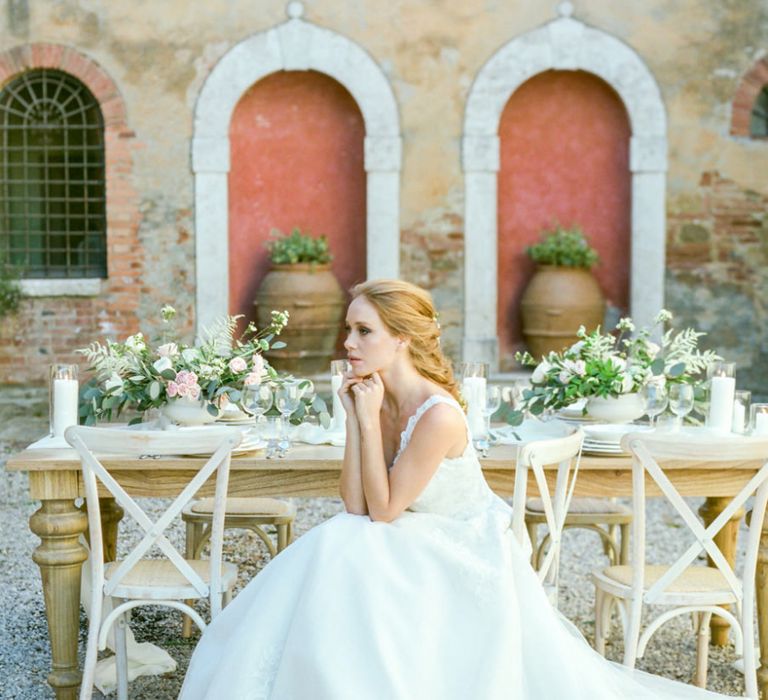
[(295, 9), (564, 43), (292, 45), (80, 287)]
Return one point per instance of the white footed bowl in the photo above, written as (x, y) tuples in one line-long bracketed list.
[(618, 409)]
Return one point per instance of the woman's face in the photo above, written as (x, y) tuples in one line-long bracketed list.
[(369, 344)]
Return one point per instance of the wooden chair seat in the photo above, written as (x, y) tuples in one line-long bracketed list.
[(157, 579), (601, 515), (707, 582), (270, 510)]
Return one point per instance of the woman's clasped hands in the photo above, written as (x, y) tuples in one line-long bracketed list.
[(362, 397)]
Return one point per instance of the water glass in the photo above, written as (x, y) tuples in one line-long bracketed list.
[(492, 403), (63, 398), (758, 419), (656, 399), (680, 401), (474, 378)]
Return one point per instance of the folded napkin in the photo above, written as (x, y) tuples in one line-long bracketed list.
[(528, 430), (317, 435)]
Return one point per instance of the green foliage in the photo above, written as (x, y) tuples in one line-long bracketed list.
[(10, 289), (564, 247), (297, 247)]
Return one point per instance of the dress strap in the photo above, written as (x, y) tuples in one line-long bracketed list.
[(405, 436)]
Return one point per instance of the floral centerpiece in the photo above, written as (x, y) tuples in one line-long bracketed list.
[(214, 372), (609, 365)]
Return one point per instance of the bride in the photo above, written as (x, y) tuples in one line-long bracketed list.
[(419, 591)]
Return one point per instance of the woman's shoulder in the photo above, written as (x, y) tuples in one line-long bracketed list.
[(441, 409)]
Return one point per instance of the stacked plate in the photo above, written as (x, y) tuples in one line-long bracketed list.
[(232, 415), (605, 438)]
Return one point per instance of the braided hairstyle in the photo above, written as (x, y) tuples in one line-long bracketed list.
[(408, 312)]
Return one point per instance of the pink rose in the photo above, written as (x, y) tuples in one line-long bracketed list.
[(173, 389), (254, 378), (237, 364), (182, 390), (258, 365), (194, 391)]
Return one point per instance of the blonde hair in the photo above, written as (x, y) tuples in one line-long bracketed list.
[(409, 312)]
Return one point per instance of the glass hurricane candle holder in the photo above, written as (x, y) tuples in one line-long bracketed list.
[(722, 386), (740, 421), (474, 379), (63, 396), (758, 419), (339, 416)]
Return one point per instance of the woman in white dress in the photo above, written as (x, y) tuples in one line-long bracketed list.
[(419, 591)]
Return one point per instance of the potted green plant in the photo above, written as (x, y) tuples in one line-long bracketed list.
[(300, 280), (562, 294)]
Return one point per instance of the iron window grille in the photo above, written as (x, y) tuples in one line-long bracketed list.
[(758, 125), (52, 189)]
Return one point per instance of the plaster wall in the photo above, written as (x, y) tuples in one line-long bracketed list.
[(160, 53)]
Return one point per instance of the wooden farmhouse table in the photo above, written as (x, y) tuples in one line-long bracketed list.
[(54, 480)]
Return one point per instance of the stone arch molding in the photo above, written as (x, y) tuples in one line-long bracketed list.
[(563, 44), (293, 45)]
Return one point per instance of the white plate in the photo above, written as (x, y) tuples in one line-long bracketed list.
[(611, 433), (249, 446), (601, 450)]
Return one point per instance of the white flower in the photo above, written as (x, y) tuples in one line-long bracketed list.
[(114, 382), (163, 364), (135, 343), (190, 355), (258, 365), (540, 372), (618, 362), (663, 316), (575, 349), (626, 383), (577, 367), (167, 312), (168, 350), (626, 324), (564, 377), (652, 349)]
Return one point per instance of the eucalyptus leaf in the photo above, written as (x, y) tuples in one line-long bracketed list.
[(278, 345), (325, 419), (154, 390), (677, 370), (212, 410), (168, 374)]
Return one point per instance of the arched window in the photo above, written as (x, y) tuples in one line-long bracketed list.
[(52, 193), (758, 123)]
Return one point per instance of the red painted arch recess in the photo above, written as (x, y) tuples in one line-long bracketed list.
[(296, 141), (564, 157)]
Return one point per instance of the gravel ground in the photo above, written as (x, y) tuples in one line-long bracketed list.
[(24, 653)]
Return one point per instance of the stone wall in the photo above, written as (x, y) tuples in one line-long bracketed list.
[(158, 55)]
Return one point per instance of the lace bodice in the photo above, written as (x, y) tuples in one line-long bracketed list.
[(457, 488)]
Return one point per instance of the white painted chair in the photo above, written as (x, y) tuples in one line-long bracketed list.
[(682, 586), (136, 580), (533, 457)]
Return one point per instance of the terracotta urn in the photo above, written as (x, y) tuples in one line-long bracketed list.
[(555, 303)]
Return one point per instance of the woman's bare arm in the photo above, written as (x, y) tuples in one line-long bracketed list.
[(351, 483)]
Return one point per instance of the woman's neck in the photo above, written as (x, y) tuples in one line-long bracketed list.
[(404, 389)]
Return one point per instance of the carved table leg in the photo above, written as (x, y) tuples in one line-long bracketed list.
[(60, 556), (726, 542), (761, 598)]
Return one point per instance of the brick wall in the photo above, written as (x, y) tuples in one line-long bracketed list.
[(47, 330), (717, 273)]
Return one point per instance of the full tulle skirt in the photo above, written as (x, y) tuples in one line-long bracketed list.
[(427, 606)]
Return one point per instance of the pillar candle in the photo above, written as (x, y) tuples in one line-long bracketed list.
[(721, 403), (739, 417), (65, 396), (338, 423), (473, 390)]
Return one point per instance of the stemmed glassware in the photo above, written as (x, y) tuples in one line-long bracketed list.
[(257, 400), (656, 399), (680, 401), (287, 397), (489, 407)]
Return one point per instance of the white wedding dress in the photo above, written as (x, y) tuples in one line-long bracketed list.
[(441, 604)]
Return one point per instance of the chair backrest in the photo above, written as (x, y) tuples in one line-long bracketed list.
[(676, 450), (535, 456), (217, 442)]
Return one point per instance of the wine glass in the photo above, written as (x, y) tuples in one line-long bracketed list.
[(680, 401), (257, 400), (287, 398), (656, 399), (489, 406)]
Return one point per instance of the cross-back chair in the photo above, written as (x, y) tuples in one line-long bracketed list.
[(682, 586), (137, 580), (533, 457)]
